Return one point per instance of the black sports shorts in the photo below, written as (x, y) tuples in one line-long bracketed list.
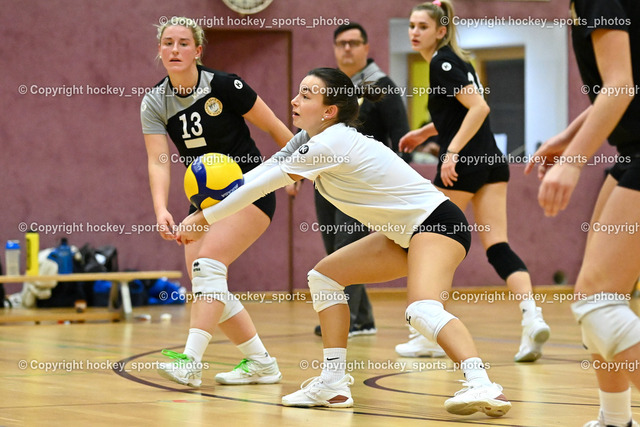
[(448, 220), (472, 181), (627, 172), (266, 204)]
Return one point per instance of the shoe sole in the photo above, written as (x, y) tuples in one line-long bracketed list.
[(365, 332), (433, 354), (166, 375), (540, 338), (346, 404), (491, 407), (273, 379)]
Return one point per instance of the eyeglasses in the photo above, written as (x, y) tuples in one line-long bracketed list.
[(342, 44)]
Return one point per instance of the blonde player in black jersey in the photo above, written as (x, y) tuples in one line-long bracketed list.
[(471, 168), (606, 42), (203, 111), (420, 234)]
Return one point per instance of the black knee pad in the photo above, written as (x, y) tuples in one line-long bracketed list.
[(504, 260)]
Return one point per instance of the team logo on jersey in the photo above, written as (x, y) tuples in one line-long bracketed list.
[(143, 107), (213, 106), (238, 84), (446, 66), (304, 149)]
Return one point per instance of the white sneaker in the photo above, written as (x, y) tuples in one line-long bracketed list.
[(251, 372), (182, 370), (487, 398), (535, 332), (600, 422), (419, 346), (315, 392)]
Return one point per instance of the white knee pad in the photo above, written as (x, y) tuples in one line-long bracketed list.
[(231, 308), (428, 317), (325, 292), (608, 324), (209, 277)]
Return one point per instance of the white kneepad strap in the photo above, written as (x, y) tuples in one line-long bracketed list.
[(209, 277), (608, 324), (428, 317), (325, 292)]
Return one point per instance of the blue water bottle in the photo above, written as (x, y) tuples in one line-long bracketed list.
[(64, 257)]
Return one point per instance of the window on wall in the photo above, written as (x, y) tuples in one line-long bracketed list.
[(501, 71)]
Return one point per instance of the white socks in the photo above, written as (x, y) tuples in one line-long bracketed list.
[(528, 307), (197, 343), (616, 407), (474, 371), (198, 340), (335, 364), (253, 349)]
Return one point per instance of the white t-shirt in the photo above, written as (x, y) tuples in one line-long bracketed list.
[(359, 175), (367, 181)]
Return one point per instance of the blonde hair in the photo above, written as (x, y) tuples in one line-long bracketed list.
[(182, 21), (442, 11)]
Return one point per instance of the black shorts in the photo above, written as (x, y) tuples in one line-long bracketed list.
[(449, 221), (627, 172), (471, 181), (266, 204)]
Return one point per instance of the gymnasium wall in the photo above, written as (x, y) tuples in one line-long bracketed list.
[(74, 162)]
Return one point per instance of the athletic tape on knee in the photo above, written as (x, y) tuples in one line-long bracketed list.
[(504, 260), (325, 292), (428, 317), (608, 324)]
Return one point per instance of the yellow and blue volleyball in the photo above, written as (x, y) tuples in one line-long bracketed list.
[(210, 178)]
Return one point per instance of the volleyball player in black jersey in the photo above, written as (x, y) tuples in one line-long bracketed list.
[(471, 167), (202, 111), (606, 41)]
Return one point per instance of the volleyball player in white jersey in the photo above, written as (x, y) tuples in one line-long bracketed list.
[(471, 168), (422, 235), (203, 111)]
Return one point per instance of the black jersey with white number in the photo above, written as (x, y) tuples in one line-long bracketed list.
[(448, 74), (208, 120), (624, 15)]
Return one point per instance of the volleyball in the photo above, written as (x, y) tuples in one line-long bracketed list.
[(210, 178)]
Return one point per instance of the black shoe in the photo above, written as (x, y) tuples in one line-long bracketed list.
[(365, 329), (318, 331)]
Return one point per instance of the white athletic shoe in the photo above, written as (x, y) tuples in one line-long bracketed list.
[(419, 346), (182, 370), (535, 332), (315, 392), (600, 422), (487, 398), (251, 372)]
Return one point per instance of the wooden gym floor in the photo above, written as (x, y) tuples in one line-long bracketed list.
[(105, 372)]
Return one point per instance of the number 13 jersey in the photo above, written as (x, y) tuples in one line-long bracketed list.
[(208, 120)]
